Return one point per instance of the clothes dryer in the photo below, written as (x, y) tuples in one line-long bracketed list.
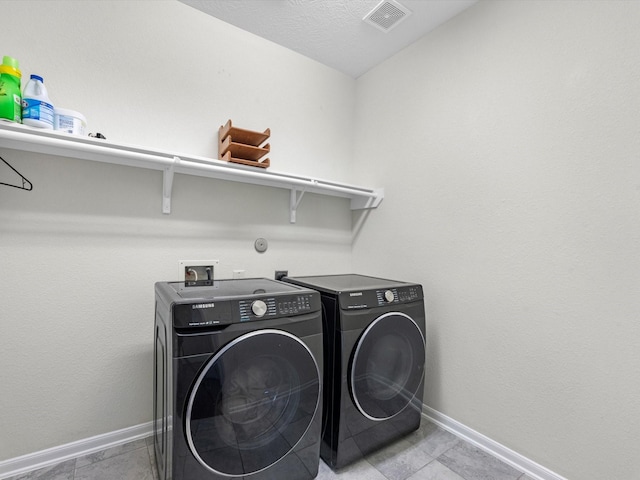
[(238, 378), (374, 331)]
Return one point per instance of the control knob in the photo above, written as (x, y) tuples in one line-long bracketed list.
[(388, 296), (259, 308)]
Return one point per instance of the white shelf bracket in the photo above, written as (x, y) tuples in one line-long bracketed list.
[(294, 202), (361, 203), (167, 185)]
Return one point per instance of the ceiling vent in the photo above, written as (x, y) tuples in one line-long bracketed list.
[(386, 15)]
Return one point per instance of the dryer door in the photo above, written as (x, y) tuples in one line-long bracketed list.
[(252, 403), (387, 366)]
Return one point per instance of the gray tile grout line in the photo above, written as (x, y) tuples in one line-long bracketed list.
[(458, 442), (433, 459)]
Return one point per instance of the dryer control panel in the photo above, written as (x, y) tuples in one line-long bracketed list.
[(380, 297)]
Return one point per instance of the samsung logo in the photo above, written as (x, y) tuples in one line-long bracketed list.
[(202, 305), (355, 294)]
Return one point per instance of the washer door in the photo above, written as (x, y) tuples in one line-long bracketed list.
[(387, 366), (252, 403)]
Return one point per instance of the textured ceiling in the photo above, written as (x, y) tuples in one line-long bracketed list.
[(332, 31)]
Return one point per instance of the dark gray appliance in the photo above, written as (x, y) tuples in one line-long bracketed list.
[(238, 380), (374, 362)]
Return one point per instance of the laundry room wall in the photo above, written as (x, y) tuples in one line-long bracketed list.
[(508, 143), (80, 253)]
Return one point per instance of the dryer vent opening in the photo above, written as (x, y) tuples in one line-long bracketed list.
[(386, 15)]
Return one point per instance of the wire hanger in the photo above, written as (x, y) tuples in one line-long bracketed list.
[(26, 184)]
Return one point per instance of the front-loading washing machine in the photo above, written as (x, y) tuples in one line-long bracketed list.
[(238, 381), (374, 362)]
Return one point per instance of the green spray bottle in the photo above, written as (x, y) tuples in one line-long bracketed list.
[(10, 99)]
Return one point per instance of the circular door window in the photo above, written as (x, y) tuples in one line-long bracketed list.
[(252, 403), (387, 366)]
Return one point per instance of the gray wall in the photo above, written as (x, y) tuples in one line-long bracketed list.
[(80, 254), (508, 143)]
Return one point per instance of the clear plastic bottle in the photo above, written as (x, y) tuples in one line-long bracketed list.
[(10, 100), (37, 109)]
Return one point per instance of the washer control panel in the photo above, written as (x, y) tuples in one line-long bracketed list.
[(272, 307), (227, 311), (380, 297)]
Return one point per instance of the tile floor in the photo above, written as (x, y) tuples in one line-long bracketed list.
[(430, 453)]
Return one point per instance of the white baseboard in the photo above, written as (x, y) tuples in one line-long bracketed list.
[(52, 456), (517, 461)]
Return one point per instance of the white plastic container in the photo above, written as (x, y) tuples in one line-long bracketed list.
[(37, 109), (69, 121)]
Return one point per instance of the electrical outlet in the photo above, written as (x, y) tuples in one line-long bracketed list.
[(196, 273), (281, 273)]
